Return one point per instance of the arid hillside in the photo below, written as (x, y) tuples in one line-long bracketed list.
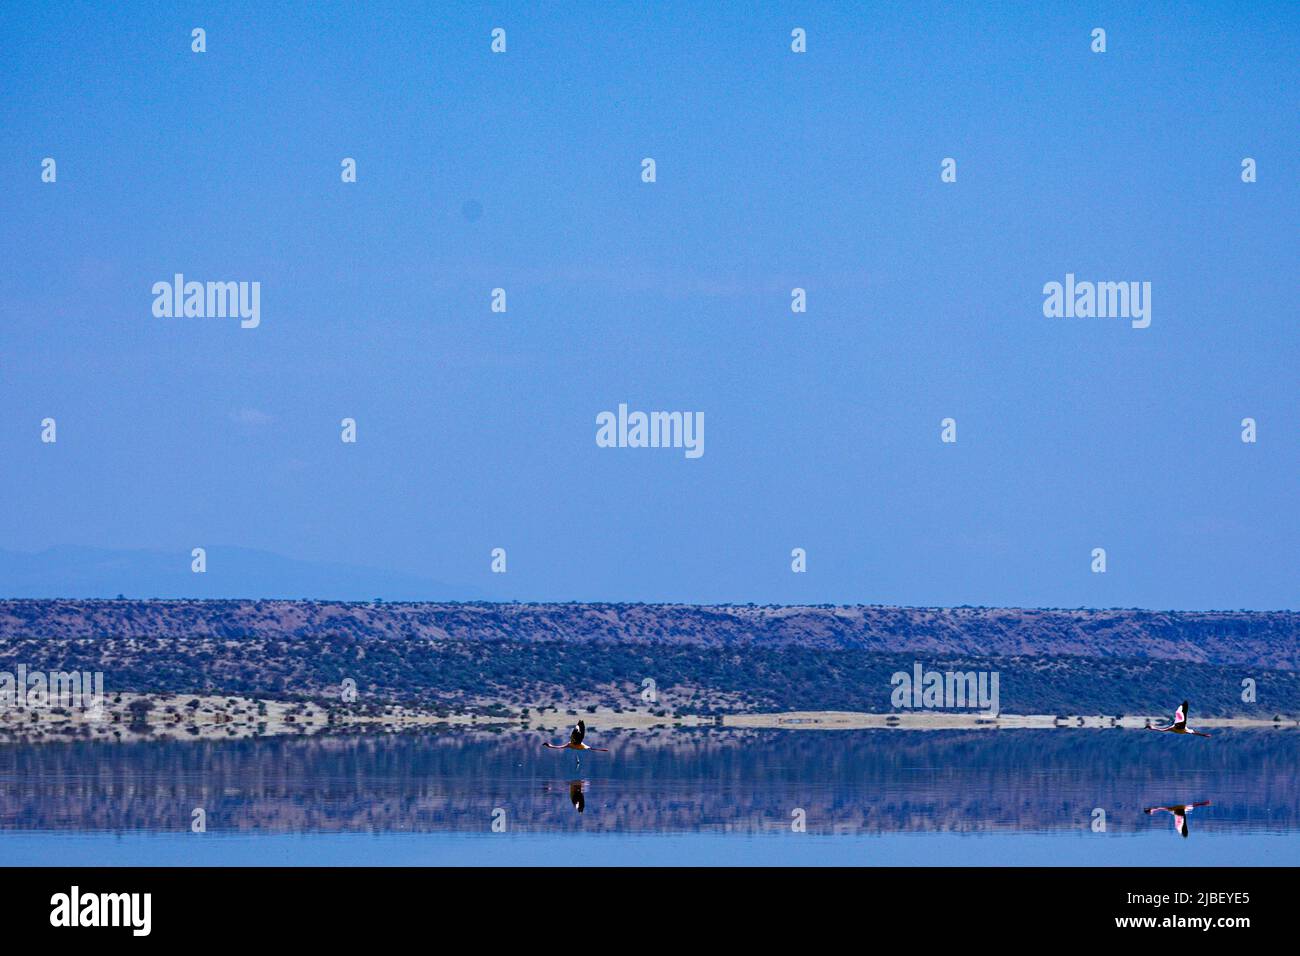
[(1262, 639), (513, 658)]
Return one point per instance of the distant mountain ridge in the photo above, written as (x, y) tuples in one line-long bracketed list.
[(1259, 639)]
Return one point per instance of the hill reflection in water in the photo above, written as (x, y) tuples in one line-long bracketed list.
[(676, 781)]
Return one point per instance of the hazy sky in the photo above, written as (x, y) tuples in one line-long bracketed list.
[(522, 170)]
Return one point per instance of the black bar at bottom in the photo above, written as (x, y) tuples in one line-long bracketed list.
[(333, 906)]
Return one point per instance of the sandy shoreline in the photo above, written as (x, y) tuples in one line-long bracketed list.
[(193, 717), (841, 720)]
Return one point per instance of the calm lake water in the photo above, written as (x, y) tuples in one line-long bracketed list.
[(665, 797)]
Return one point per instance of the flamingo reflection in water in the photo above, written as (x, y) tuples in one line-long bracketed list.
[(1180, 812)]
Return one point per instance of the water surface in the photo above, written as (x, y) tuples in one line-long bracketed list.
[(877, 797)]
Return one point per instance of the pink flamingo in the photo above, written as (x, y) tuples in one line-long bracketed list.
[(1179, 726), (575, 742)]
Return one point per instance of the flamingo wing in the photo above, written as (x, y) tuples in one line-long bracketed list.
[(578, 733), (1180, 716)]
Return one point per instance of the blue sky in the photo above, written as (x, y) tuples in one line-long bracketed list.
[(775, 170)]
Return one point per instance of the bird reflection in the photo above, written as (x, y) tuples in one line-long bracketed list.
[(1180, 812), (576, 796)]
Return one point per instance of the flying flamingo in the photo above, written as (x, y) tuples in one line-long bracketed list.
[(575, 742), (1180, 811), (1179, 726)]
